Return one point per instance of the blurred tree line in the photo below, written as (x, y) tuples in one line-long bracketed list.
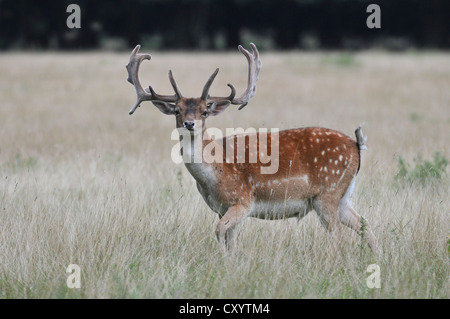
[(223, 24)]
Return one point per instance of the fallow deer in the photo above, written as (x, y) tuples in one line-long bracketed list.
[(317, 167)]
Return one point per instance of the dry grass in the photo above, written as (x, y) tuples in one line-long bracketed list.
[(82, 182)]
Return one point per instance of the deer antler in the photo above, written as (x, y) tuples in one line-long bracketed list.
[(147, 94), (209, 99), (254, 66)]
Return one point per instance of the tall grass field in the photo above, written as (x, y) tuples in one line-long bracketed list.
[(82, 182)]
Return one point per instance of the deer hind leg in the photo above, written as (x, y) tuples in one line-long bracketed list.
[(327, 210), (225, 230), (349, 217)]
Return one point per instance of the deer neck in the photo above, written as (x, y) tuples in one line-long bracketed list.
[(192, 147)]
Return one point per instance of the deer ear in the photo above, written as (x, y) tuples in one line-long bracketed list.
[(218, 107), (164, 107)]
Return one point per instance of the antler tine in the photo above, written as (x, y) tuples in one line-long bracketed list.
[(160, 97), (205, 96), (254, 66), (144, 94), (233, 92), (174, 85), (208, 85)]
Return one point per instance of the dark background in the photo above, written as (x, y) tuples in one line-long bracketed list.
[(221, 25)]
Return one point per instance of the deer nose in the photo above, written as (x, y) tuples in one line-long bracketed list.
[(189, 125)]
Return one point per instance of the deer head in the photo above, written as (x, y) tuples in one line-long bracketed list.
[(189, 111)]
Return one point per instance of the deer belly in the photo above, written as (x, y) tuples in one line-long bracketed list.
[(280, 209)]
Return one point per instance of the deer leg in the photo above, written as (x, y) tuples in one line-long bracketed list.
[(350, 218), (225, 229), (328, 215)]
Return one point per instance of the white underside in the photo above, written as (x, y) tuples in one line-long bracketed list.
[(345, 202), (346, 199), (279, 209)]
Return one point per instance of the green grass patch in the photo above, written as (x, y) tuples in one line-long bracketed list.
[(422, 170)]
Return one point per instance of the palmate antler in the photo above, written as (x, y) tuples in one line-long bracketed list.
[(148, 94)]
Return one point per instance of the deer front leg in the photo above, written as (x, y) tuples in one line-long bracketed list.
[(225, 229)]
